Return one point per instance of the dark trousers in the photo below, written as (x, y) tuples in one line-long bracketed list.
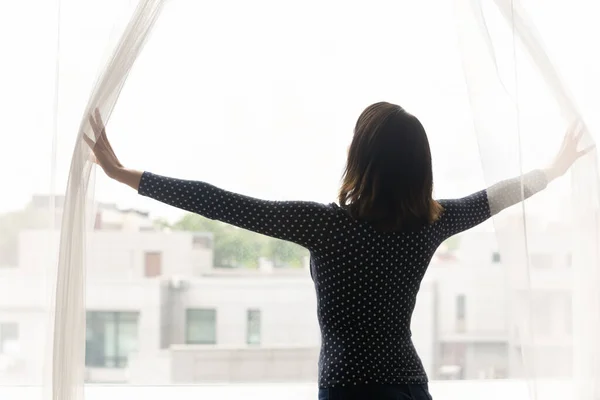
[(377, 392)]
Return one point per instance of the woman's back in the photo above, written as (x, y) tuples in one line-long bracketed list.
[(367, 283)]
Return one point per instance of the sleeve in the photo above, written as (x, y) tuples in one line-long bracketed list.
[(467, 212), (300, 222)]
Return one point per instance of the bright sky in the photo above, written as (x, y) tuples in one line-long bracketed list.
[(261, 97)]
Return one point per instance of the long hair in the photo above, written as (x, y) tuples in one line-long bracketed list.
[(388, 179)]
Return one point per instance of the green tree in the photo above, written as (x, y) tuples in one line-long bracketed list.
[(234, 247), (286, 254), (452, 243), (161, 223)]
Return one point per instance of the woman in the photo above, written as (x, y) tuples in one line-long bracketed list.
[(369, 253)]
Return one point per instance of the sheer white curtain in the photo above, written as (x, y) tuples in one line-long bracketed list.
[(242, 79), (67, 367), (521, 104)]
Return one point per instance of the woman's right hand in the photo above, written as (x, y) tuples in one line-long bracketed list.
[(105, 156), (103, 152), (568, 153)]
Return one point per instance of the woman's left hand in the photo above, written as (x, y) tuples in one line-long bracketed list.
[(568, 153)]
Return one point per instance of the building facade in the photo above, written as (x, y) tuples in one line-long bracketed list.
[(159, 312)]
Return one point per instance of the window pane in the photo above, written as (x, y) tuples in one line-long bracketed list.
[(9, 335), (94, 341), (253, 321), (496, 257), (127, 341), (153, 264), (460, 313), (201, 326), (110, 338)]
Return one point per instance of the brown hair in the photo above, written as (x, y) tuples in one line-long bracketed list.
[(388, 179)]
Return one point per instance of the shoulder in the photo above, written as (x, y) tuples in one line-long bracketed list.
[(311, 210), (336, 215)]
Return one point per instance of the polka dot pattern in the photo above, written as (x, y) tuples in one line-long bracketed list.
[(366, 281)]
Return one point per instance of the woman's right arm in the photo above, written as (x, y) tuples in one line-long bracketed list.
[(301, 222)]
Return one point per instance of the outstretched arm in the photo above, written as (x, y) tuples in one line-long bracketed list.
[(299, 222), (295, 221), (467, 212)]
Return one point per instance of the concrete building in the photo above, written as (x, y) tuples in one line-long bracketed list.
[(158, 312)]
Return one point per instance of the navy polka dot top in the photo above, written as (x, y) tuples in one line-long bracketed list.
[(366, 281)]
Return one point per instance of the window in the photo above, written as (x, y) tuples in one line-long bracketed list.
[(253, 327), (496, 257), (152, 264), (9, 333), (201, 242), (275, 125), (569, 260), (201, 326), (460, 312), (110, 338)]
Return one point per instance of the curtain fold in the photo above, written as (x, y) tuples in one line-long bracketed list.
[(67, 368)]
